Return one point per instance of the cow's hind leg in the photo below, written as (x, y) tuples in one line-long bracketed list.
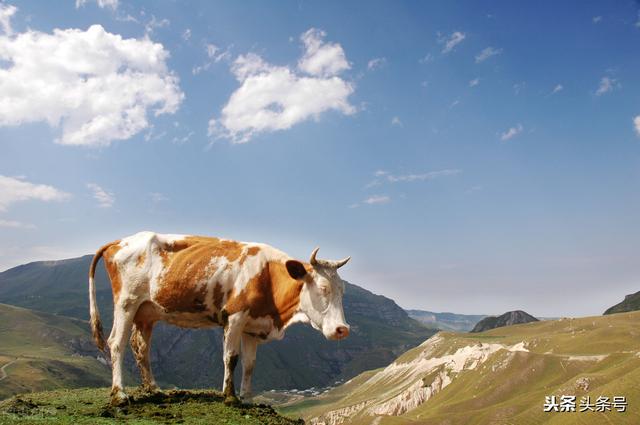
[(231, 350), (140, 341), (249, 347), (122, 322)]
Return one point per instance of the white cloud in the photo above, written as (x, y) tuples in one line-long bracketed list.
[(105, 199), (96, 86), (636, 124), (396, 121), (6, 12), (113, 4), (511, 133), (606, 85), (214, 54), (186, 34), (474, 82), (518, 87), (377, 199), (596, 19), (382, 176), (155, 23), (422, 177), (557, 88), (376, 63), (14, 190), (16, 224), (272, 98), (320, 58), (487, 53), (450, 43)]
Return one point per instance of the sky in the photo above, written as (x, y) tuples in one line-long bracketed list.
[(474, 157)]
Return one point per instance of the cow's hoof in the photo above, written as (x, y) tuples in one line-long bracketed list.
[(119, 398), (231, 400), (150, 389)]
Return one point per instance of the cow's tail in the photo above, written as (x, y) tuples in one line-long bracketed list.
[(94, 314)]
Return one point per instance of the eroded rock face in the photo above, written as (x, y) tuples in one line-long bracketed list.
[(412, 383)]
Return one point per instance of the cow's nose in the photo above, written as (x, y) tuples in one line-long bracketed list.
[(342, 332)]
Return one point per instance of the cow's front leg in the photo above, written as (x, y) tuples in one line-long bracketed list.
[(231, 351), (249, 347)]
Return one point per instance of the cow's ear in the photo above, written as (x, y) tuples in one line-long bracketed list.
[(296, 269)]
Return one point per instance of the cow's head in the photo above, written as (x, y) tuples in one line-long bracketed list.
[(321, 295)]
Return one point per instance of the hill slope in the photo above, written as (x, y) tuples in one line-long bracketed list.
[(89, 406), (630, 303), (42, 351), (509, 318), (446, 321), (501, 376), (380, 331)]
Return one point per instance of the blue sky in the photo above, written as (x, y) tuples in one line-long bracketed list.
[(470, 157)]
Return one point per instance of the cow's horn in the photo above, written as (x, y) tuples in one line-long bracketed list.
[(326, 263), (313, 260)]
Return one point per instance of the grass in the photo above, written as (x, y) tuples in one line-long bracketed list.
[(90, 406), (510, 387)]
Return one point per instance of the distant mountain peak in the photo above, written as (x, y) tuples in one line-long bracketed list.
[(509, 318), (631, 302)]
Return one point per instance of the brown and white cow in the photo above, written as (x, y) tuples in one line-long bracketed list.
[(252, 290)]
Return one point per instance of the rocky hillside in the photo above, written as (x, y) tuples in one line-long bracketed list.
[(89, 406), (630, 303), (497, 377), (381, 331), (507, 319), (446, 321)]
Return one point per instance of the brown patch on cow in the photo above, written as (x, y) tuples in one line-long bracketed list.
[(271, 293), (252, 251), (187, 262), (112, 270), (140, 259), (217, 296)]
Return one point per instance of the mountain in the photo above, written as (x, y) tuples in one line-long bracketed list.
[(380, 331), (446, 321), (507, 319), (40, 351), (500, 376), (630, 303)]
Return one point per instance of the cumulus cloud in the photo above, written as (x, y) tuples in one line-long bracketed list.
[(6, 12), (105, 198), (113, 4), (487, 53), (14, 190), (636, 124), (321, 58), (272, 98), (96, 86), (607, 84), (511, 133), (450, 43)]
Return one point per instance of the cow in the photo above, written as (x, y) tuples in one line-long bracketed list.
[(252, 290)]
